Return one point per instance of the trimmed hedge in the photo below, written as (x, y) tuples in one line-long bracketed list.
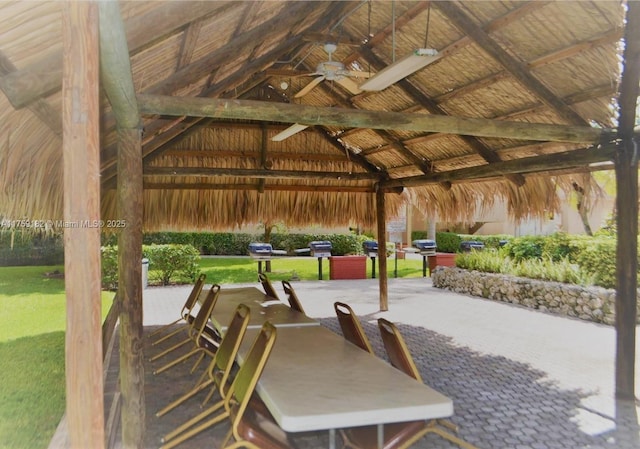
[(237, 244), (30, 249), (170, 262)]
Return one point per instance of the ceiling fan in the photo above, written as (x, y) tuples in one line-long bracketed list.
[(333, 71), (327, 70)]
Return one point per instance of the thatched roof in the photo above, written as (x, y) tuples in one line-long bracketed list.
[(505, 61)]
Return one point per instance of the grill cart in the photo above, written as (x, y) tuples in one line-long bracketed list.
[(467, 246), (320, 249), (263, 252), (370, 248), (426, 248)]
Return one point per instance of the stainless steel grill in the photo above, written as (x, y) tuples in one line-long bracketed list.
[(260, 251), (425, 247), (370, 248), (471, 244), (320, 248)]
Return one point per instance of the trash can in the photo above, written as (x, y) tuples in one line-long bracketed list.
[(145, 272)]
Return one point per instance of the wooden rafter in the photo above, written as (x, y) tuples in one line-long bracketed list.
[(568, 159), (44, 77), (517, 69), (597, 92), (188, 44), (40, 108), (199, 69)]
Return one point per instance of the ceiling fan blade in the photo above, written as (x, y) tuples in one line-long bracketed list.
[(306, 89), (290, 131), (350, 85), (359, 74)]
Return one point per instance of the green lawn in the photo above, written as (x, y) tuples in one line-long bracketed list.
[(244, 269), (32, 324)]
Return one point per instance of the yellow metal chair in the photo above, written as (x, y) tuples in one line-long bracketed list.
[(200, 334), (266, 285), (399, 435), (185, 313), (351, 327), (294, 302), (221, 364), (250, 428)]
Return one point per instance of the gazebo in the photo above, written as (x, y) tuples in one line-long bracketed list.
[(212, 115)]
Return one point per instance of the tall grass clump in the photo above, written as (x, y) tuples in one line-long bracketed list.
[(547, 269), (485, 261)]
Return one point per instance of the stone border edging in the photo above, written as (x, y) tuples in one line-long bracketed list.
[(595, 304)]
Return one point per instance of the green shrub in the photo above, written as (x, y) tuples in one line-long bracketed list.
[(109, 267), (419, 235), (172, 259), (20, 248), (169, 262), (559, 246), (527, 247), (448, 242), (599, 259)]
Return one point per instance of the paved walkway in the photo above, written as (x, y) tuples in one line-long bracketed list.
[(520, 379)]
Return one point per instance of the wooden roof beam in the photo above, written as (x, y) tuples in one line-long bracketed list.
[(311, 115), (40, 107), (568, 159), (303, 155), (259, 173), (267, 187), (115, 65), (518, 70)]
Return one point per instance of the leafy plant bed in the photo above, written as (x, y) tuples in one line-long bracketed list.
[(595, 304)]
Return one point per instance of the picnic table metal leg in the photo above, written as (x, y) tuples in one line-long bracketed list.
[(380, 436)]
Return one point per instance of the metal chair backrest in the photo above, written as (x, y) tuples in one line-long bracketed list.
[(294, 302), (397, 349), (203, 315), (247, 377), (228, 349), (193, 296), (266, 285), (351, 327)]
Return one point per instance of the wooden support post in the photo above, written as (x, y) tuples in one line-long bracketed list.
[(118, 85), (626, 163), (130, 287), (382, 249), (81, 162)]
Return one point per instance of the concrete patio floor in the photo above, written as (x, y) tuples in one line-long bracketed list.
[(519, 378)]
